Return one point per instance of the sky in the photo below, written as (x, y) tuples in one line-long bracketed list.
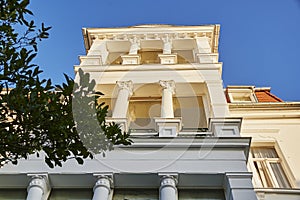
[(259, 40)]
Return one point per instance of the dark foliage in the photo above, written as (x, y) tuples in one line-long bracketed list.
[(37, 117)]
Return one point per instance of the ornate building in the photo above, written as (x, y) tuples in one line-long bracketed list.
[(191, 139)]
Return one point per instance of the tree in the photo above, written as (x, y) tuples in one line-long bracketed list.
[(35, 115)]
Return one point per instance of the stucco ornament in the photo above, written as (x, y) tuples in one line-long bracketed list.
[(167, 44), (135, 46)]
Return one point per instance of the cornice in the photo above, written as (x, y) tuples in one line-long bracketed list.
[(266, 106), (148, 67)]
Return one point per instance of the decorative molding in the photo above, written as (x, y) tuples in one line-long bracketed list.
[(135, 45), (208, 57), (131, 59), (168, 59), (225, 127), (168, 127), (150, 36), (167, 49)]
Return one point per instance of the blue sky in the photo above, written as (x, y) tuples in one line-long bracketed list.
[(259, 39)]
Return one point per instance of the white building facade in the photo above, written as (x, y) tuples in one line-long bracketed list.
[(163, 85)]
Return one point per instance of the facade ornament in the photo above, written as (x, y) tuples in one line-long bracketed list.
[(103, 181), (168, 188), (38, 188), (135, 46), (102, 187), (168, 85), (168, 181), (167, 45), (128, 85)]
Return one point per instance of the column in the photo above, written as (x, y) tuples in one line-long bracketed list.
[(167, 99), (102, 188), (122, 102), (168, 190), (38, 188)]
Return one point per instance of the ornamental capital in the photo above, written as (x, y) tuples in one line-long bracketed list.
[(128, 85), (40, 181), (168, 181), (168, 85), (104, 181)]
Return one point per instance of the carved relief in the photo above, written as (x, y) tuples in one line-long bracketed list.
[(128, 85), (167, 44), (135, 46), (168, 85)]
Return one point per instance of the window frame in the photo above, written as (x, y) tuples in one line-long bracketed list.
[(264, 168)]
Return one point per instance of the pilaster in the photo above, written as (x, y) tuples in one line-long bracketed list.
[(239, 186), (97, 54), (218, 103)]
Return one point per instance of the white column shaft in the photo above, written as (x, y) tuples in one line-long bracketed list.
[(101, 193), (122, 102), (35, 193), (102, 189), (167, 104), (168, 190), (167, 99), (121, 105)]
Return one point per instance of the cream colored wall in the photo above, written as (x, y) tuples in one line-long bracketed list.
[(280, 127)]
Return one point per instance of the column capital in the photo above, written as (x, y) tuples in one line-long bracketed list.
[(168, 181), (169, 85), (40, 181), (104, 181), (128, 85)]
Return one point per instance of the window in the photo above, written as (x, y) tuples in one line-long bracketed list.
[(267, 169), (242, 97), (241, 94)]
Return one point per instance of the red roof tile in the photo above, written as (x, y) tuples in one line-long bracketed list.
[(266, 96)]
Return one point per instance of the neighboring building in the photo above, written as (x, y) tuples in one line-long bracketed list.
[(163, 85), (274, 128)]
